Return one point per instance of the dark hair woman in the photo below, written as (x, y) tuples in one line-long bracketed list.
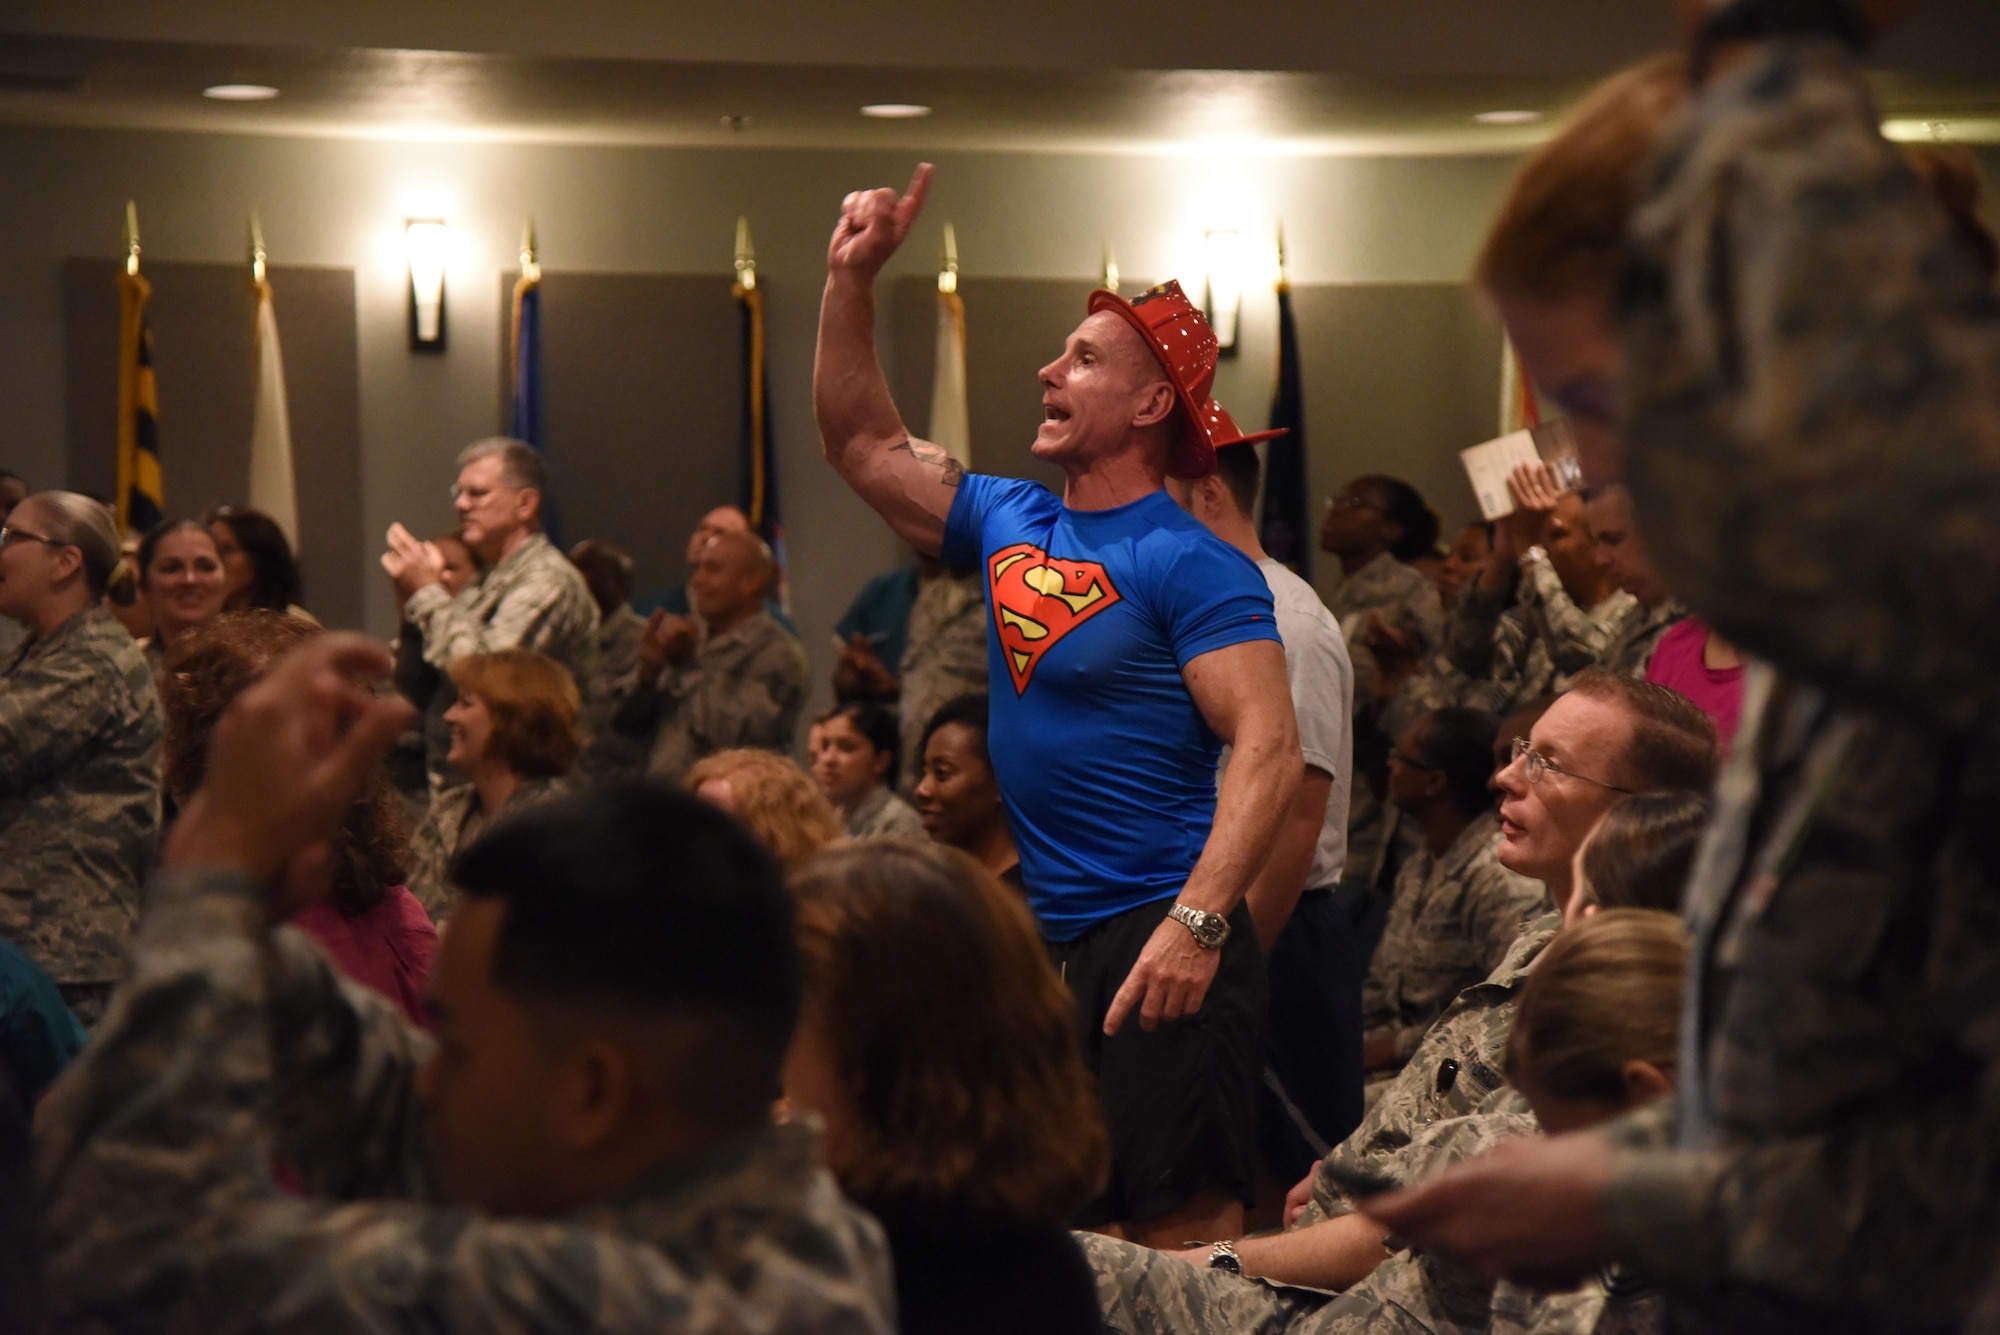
[(180, 572), (369, 923), (939, 1049), (958, 795), (853, 750), (258, 567)]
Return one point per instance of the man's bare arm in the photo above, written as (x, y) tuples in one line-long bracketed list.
[(1243, 693), (1275, 892), (909, 482)]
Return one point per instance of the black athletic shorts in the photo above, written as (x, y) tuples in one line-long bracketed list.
[(1180, 1102)]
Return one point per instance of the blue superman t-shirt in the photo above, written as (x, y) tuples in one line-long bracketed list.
[(1106, 766)]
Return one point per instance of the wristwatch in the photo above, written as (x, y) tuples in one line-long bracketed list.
[(1210, 929), (1223, 1256)]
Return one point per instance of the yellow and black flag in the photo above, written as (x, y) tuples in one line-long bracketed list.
[(140, 496)]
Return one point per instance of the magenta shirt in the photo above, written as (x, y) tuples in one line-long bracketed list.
[(1676, 663), (389, 948)]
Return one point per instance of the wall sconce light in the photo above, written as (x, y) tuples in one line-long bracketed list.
[(1222, 296), (428, 241)]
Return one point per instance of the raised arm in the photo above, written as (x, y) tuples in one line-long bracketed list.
[(909, 482)]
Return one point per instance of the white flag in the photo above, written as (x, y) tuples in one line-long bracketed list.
[(272, 488), (951, 427)]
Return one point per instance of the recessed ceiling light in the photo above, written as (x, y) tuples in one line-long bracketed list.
[(895, 111), (240, 92), (1507, 117)]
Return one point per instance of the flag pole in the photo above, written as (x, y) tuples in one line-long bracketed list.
[(256, 250), (746, 256), (948, 263), (1108, 276), (132, 238)]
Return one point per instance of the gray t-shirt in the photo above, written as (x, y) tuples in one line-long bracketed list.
[(1322, 679)]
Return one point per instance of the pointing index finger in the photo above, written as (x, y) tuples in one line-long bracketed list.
[(913, 199)]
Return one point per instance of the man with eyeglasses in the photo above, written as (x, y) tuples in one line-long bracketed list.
[(528, 596), (1609, 736)]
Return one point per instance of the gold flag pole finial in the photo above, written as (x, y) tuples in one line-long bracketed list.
[(1283, 279), (948, 263), (531, 268), (131, 237), (1108, 279), (746, 257), (257, 266)]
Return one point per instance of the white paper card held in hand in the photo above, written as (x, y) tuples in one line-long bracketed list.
[(1488, 465)]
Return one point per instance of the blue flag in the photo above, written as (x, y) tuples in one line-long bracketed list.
[(526, 368)]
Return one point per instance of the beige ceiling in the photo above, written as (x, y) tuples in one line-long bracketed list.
[(1338, 76)]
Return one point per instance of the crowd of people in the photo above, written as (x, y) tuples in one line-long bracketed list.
[(1579, 922)]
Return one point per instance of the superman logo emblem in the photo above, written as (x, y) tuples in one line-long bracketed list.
[(1036, 601)]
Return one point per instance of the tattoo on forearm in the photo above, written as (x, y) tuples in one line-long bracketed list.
[(925, 453)]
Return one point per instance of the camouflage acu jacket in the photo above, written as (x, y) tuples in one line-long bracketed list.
[(1534, 648), (1405, 598), (1803, 324), (1145, 1292), (532, 599), (944, 656), (452, 825), (1454, 1071), (1452, 922), (79, 795), (1631, 649), (742, 688), (230, 1046)]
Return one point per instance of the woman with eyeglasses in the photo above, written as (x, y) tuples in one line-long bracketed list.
[(181, 574), (79, 750)]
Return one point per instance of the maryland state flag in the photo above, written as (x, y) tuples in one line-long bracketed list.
[(1287, 530), (141, 502), (757, 459)]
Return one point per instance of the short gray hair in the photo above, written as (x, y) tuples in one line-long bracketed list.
[(75, 520), (520, 463)]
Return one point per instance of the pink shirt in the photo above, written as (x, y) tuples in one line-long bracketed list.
[(389, 948), (1676, 663)]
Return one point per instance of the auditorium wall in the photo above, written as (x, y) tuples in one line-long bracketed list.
[(1411, 223)]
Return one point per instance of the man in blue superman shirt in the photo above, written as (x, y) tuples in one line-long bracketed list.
[(1127, 643)]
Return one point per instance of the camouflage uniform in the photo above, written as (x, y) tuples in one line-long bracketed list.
[(79, 796), (452, 825), (232, 1046), (741, 688), (1612, 1304), (944, 657), (618, 637), (1536, 647), (1813, 372), (533, 598), (1404, 596), (1454, 919), (1456, 1070), (883, 815), (1631, 649), (1145, 1292)]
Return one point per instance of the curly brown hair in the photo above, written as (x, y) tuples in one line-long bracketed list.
[(951, 1033), (206, 671), (779, 801), (534, 704)]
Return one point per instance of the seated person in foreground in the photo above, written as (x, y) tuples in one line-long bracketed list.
[(775, 799), (366, 918), (1594, 1035), (854, 753), (514, 736), (937, 1046), (1606, 731), (588, 1145)]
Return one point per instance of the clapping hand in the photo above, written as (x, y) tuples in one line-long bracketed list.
[(286, 761), (873, 224), (860, 675), (412, 564), (668, 639)]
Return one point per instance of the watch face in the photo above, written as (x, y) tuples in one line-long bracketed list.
[(1211, 930)]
